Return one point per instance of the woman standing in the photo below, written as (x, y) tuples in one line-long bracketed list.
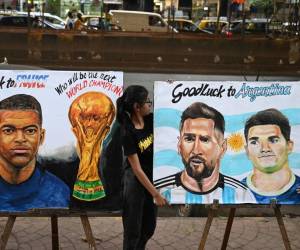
[(139, 210)]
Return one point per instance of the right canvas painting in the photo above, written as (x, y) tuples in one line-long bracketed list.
[(235, 142)]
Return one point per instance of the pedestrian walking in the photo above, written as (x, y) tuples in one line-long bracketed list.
[(139, 195)]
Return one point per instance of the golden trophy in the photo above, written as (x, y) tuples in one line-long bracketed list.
[(91, 115)]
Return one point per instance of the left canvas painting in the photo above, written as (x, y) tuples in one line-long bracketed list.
[(59, 142)]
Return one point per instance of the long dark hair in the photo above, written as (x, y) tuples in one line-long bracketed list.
[(133, 94)]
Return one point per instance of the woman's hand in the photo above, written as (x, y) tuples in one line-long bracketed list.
[(134, 161), (159, 200)]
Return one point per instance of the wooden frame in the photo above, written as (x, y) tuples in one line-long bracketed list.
[(212, 209), (54, 214)]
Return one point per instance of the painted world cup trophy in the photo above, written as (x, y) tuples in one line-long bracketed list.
[(91, 115)]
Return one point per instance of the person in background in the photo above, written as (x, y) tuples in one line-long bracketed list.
[(36, 22), (70, 21), (139, 210), (79, 23)]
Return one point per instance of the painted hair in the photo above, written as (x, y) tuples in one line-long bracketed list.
[(201, 110), (269, 117), (22, 102), (133, 94)]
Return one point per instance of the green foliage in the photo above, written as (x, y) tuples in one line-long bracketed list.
[(262, 3), (265, 5), (53, 7)]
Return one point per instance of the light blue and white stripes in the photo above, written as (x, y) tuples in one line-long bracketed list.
[(233, 164)]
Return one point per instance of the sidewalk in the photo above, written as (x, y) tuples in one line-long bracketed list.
[(171, 233)]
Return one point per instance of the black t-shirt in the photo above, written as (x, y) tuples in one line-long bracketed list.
[(140, 142)]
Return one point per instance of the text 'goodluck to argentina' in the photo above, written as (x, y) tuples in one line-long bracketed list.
[(203, 90)]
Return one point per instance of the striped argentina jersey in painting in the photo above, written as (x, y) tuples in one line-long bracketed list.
[(227, 191)]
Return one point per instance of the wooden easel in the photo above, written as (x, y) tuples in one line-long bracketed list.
[(212, 209), (7, 230), (53, 214)]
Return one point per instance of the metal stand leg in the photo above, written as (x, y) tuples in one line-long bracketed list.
[(88, 231), (228, 228), (7, 231), (54, 231)]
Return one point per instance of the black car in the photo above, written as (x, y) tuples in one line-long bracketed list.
[(258, 26)]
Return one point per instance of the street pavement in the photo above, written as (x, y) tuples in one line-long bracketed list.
[(179, 233)]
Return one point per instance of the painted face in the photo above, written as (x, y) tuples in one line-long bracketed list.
[(91, 115), (267, 148), (201, 147), (20, 137)]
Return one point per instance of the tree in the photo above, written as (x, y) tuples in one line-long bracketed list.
[(265, 5), (53, 7)]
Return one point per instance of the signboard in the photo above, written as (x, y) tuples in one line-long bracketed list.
[(236, 142), (59, 145), (119, 2)]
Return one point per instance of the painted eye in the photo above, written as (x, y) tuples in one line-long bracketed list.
[(189, 138), (253, 142), (8, 130), (96, 117), (274, 140), (30, 131), (204, 139)]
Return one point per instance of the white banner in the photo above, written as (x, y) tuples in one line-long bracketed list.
[(61, 122), (237, 142)]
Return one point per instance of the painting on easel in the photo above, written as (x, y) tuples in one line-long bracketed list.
[(235, 142), (59, 143)]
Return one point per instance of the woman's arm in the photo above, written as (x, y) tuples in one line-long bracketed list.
[(144, 180)]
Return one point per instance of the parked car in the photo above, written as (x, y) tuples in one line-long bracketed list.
[(55, 20), (6, 12), (211, 24), (22, 21), (139, 21), (290, 28), (258, 26), (250, 27), (185, 25), (94, 22)]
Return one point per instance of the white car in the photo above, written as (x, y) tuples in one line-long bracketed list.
[(140, 21), (56, 21)]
